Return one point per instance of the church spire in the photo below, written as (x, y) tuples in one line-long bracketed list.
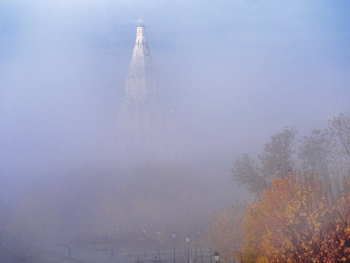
[(141, 81), (141, 108)]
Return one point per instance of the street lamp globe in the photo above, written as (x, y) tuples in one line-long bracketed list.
[(158, 234), (188, 249), (216, 256), (174, 235), (144, 241)]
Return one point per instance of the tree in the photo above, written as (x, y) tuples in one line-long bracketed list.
[(299, 217), (327, 152), (314, 153), (297, 221), (225, 232), (246, 173), (339, 132), (276, 161)]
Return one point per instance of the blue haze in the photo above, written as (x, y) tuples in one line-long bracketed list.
[(235, 73)]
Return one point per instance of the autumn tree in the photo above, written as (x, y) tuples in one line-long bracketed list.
[(302, 209), (225, 232), (298, 221)]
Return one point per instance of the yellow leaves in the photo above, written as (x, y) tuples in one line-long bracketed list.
[(226, 230), (343, 259), (290, 223), (262, 259), (342, 241)]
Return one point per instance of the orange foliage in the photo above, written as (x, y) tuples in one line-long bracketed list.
[(297, 220), (226, 232)]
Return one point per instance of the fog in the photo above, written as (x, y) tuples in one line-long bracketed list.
[(233, 73)]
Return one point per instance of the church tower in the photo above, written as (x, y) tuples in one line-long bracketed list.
[(141, 113)]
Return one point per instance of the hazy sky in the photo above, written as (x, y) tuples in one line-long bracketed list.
[(236, 72)]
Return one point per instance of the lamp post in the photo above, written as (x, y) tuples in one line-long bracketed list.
[(216, 256), (188, 249), (174, 246), (158, 234), (144, 242), (94, 236), (116, 238)]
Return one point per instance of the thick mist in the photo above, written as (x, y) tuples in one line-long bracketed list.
[(232, 73)]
